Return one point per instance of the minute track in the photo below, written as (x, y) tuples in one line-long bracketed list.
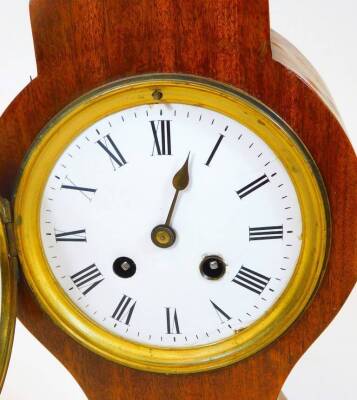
[(114, 225)]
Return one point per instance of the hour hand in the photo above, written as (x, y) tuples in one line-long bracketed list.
[(180, 182), (164, 235), (181, 179)]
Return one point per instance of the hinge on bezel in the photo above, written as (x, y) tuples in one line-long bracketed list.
[(5, 211), (6, 219)]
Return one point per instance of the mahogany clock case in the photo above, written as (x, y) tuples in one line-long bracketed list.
[(177, 93), (80, 45)]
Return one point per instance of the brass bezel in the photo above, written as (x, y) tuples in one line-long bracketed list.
[(8, 294), (173, 89)]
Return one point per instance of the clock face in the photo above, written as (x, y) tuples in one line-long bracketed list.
[(171, 224), (217, 264)]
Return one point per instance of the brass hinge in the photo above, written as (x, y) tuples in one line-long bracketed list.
[(5, 211), (6, 219)]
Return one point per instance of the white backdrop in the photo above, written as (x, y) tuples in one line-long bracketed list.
[(325, 31)]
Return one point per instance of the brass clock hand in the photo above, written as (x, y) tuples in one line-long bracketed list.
[(180, 182), (164, 235)]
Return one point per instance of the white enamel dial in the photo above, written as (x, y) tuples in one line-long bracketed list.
[(113, 185)]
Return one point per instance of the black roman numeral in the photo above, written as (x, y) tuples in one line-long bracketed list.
[(72, 236), (172, 321), (215, 148), (86, 192), (162, 137), (109, 146), (252, 186), (87, 278), (266, 233), (251, 280), (223, 316), (79, 188), (124, 310)]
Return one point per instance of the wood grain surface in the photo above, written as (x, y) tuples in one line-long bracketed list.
[(81, 44)]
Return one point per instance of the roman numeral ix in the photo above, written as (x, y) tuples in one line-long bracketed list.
[(251, 280), (72, 236), (162, 137), (109, 146), (124, 310), (256, 184), (266, 233), (87, 278), (172, 321)]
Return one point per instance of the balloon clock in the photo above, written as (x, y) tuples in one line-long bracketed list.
[(183, 198)]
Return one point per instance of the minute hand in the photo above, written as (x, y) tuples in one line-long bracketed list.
[(180, 182)]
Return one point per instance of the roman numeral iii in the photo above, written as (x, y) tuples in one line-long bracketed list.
[(162, 137), (251, 280), (124, 310), (172, 321), (87, 278), (266, 233), (72, 236), (115, 156), (251, 187)]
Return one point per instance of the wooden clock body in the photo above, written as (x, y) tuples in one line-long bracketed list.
[(82, 44)]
